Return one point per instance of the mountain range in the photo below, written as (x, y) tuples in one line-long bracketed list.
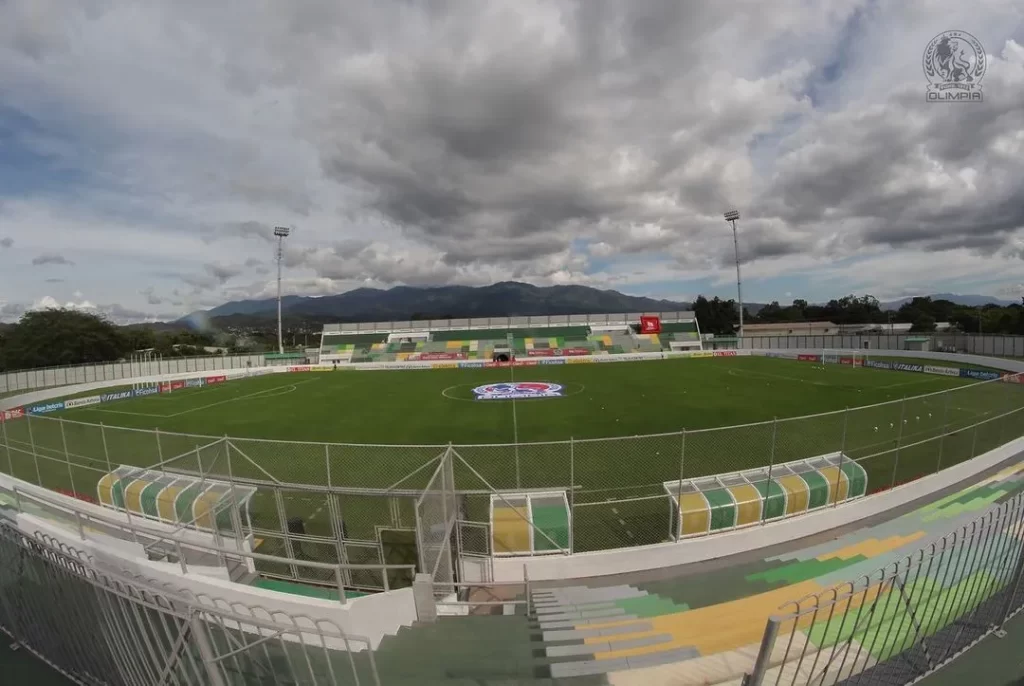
[(505, 299)]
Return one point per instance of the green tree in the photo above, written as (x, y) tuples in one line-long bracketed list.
[(925, 323), (56, 337)]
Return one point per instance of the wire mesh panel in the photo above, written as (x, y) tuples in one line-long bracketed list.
[(436, 513), (907, 619)]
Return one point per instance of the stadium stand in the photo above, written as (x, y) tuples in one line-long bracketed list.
[(467, 339)]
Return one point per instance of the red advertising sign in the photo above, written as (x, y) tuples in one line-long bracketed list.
[(650, 324), (78, 496), (215, 379), (1010, 377), (809, 358), (177, 385), (541, 352), (575, 352), (725, 353), (8, 415), (301, 368), (165, 388), (440, 356)]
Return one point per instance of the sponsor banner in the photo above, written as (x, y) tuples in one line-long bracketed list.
[(44, 408), (525, 363), (14, 413), (556, 361), (942, 371), (423, 357), (878, 364), (703, 353), (650, 324), (444, 365), (904, 367), (143, 392), (978, 374), (300, 368), (541, 352), (215, 379), (804, 357), (471, 365), (177, 385), (518, 390), (579, 360), (724, 353), (193, 383), (77, 496), (120, 395), (1010, 377), (575, 352), (81, 402)]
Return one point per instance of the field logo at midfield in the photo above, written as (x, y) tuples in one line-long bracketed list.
[(518, 390)]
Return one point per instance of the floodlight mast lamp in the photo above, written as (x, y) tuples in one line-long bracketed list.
[(281, 232), (731, 216)]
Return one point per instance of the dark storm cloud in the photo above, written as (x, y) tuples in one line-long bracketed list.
[(50, 258), (6, 242)]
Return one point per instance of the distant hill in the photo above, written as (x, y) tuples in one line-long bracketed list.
[(966, 300), (506, 299)]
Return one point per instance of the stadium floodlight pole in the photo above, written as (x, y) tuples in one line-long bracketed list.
[(281, 232), (731, 216)]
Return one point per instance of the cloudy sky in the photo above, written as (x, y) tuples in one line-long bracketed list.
[(147, 149)]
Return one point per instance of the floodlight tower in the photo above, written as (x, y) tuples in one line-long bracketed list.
[(731, 216), (281, 232)]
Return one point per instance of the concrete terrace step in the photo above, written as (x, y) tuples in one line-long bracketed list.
[(590, 667)]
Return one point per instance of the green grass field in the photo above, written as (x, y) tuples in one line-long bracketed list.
[(280, 424)]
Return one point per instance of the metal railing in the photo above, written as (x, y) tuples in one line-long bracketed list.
[(907, 619), (100, 627), (347, 494), (178, 546)]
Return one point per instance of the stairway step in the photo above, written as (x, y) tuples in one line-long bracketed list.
[(580, 634), (604, 646)]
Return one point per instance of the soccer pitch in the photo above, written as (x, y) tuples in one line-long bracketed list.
[(341, 428)]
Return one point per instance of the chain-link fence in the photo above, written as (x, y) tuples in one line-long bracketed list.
[(99, 627), (347, 503), (906, 620)]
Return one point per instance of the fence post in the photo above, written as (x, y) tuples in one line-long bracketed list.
[(32, 445), (764, 653), (945, 430), (771, 465), (106, 453), (67, 455), (7, 445), (159, 450), (678, 510), (899, 441), (842, 456), (572, 492), (205, 649)]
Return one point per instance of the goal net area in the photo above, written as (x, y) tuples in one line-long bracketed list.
[(850, 358)]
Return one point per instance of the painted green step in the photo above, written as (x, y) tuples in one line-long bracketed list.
[(804, 571), (650, 606)]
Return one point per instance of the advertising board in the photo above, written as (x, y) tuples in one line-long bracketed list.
[(118, 395), (1010, 377), (978, 374), (300, 368), (82, 402), (720, 353), (425, 357), (45, 408), (878, 364), (193, 383), (906, 367), (805, 357), (553, 361), (215, 379), (13, 413), (444, 365), (143, 392), (581, 360), (942, 371), (471, 365)]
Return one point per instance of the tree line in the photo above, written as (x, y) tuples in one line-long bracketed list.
[(721, 317), (59, 337)]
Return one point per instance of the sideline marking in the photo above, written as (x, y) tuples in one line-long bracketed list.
[(267, 393)]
